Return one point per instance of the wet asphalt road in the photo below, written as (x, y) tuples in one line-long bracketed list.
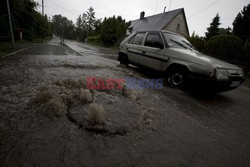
[(176, 128)]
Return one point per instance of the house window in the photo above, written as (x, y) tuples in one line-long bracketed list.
[(178, 27)]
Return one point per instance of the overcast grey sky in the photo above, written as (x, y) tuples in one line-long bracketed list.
[(199, 13)]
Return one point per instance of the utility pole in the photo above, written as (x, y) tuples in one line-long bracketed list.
[(62, 38), (11, 29), (42, 7), (43, 13)]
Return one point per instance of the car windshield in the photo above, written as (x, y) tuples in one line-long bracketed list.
[(175, 41)]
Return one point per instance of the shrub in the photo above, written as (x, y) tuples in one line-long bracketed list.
[(225, 47), (113, 29), (94, 39), (108, 31), (197, 42), (246, 50)]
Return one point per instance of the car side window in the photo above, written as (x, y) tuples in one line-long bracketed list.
[(137, 39), (153, 40)]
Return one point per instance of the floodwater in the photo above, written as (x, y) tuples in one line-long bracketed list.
[(49, 118)]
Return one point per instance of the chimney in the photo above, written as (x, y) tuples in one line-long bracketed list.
[(142, 15), (164, 9)]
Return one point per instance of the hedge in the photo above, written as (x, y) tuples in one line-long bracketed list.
[(94, 39), (227, 47)]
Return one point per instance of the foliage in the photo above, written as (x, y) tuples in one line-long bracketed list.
[(94, 39), (90, 19), (63, 27), (213, 30), (90, 29), (87, 25), (198, 42), (113, 29), (225, 31), (246, 51), (241, 24), (224, 47), (26, 19)]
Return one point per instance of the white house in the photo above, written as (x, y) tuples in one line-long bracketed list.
[(174, 21)]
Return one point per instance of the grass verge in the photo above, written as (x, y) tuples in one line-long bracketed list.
[(247, 81), (111, 49), (6, 47)]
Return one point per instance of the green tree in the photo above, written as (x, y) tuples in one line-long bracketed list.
[(88, 25), (79, 27), (213, 30), (84, 26), (225, 31), (113, 30), (108, 31), (63, 26), (84, 21), (241, 24), (90, 19), (121, 30), (98, 25), (26, 19), (79, 21)]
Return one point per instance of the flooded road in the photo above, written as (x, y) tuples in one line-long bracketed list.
[(48, 118)]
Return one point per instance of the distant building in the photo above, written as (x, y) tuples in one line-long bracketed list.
[(174, 21)]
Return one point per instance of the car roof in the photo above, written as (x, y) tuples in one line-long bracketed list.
[(163, 31)]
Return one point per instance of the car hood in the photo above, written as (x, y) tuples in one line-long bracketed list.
[(205, 60)]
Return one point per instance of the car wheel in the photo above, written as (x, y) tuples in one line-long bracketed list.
[(176, 78), (124, 60)]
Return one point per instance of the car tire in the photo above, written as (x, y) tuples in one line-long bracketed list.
[(124, 60), (177, 78)]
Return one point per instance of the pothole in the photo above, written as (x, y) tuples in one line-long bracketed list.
[(108, 112)]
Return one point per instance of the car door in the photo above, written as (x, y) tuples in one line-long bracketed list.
[(134, 47), (152, 51)]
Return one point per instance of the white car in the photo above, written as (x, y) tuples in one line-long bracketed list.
[(173, 54)]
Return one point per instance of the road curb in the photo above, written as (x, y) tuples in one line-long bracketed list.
[(15, 52)]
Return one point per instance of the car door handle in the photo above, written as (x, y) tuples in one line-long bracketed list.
[(167, 59), (143, 52)]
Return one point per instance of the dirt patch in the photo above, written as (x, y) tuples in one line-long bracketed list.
[(95, 114), (132, 94), (53, 100), (85, 96)]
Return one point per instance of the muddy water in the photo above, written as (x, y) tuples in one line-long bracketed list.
[(45, 122), (39, 99)]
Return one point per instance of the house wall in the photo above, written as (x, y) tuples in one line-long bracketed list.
[(172, 26)]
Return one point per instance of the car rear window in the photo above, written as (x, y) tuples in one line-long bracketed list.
[(137, 39), (153, 40)]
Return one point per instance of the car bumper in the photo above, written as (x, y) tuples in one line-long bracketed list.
[(213, 85)]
